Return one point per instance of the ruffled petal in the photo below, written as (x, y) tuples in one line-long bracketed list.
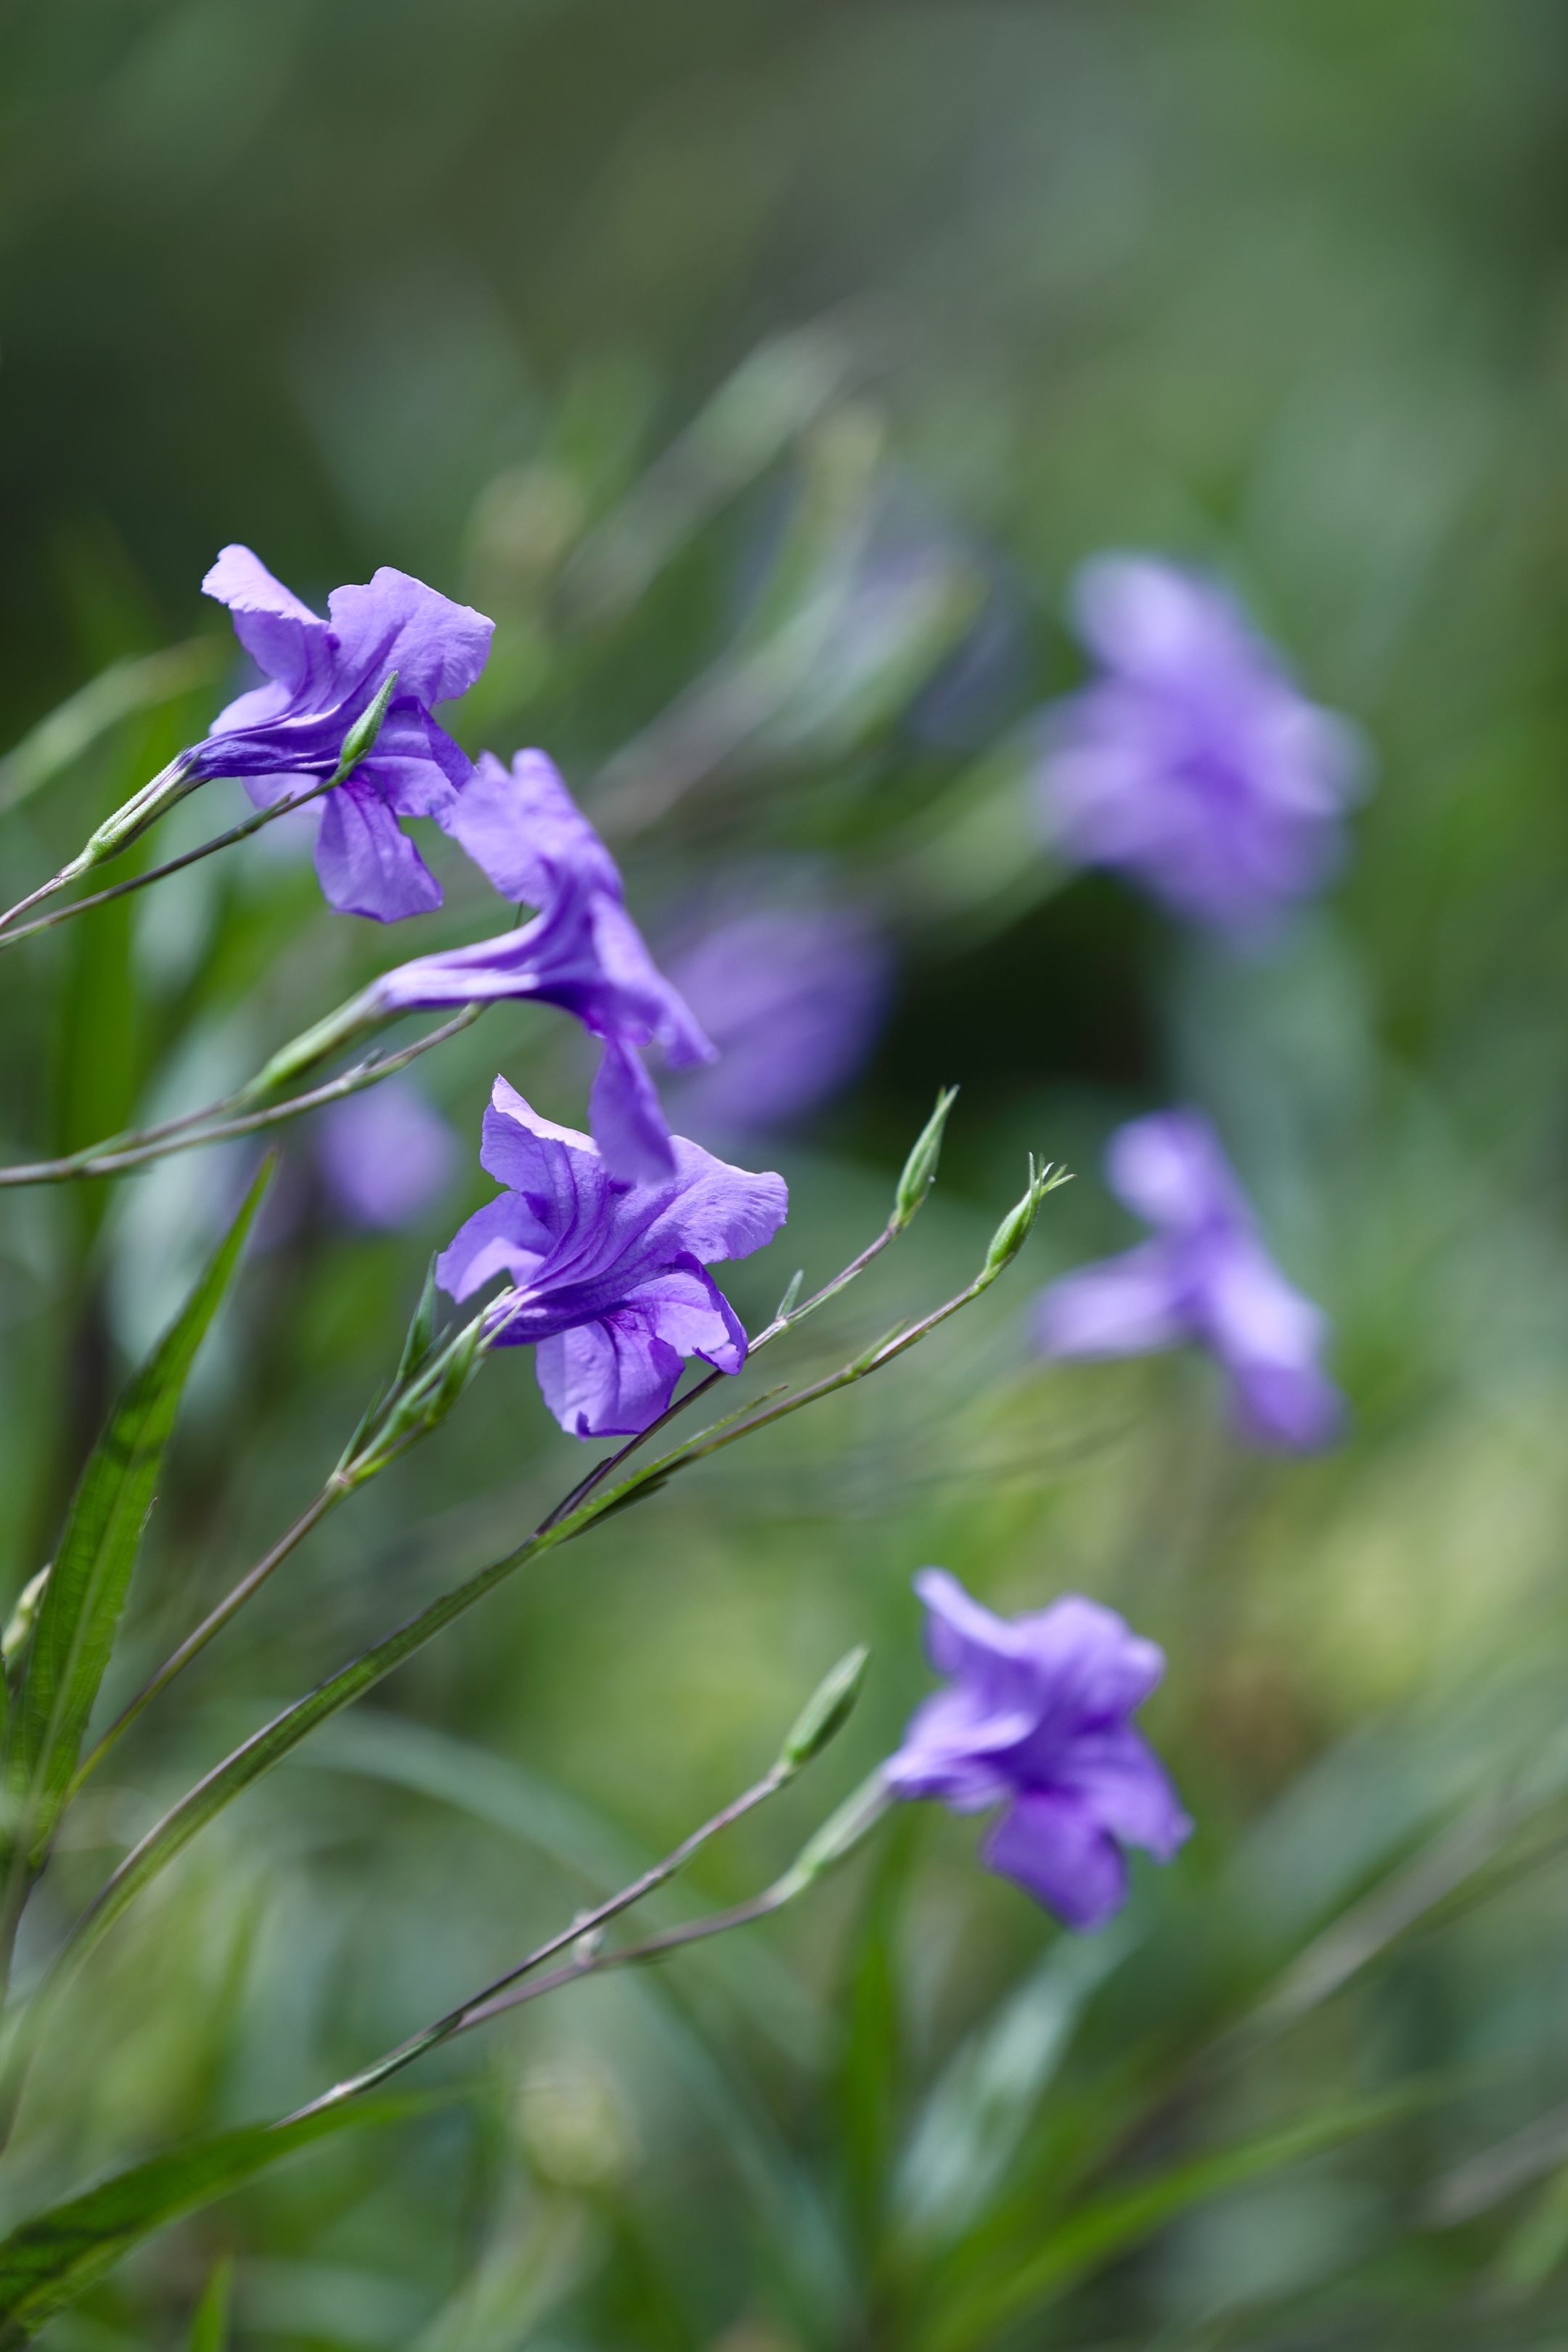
[(607, 1379), (396, 623), (526, 834), (281, 635), (503, 1237)]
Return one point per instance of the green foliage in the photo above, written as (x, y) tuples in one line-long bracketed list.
[(52, 2260), (79, 1615)]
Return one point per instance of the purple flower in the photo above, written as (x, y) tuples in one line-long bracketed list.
[(609, 1276), (385, 1155), (321, 676), (1037, 1720), (1206, 1276), (582, 952), (792, 999), (1193, 763)]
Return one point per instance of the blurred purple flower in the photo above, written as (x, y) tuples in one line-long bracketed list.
[(1206, 1276), (1037, 1720), (386, 1156), (1193, 763), (792, 999), (582, 952), (321, 676), (609, 1279)]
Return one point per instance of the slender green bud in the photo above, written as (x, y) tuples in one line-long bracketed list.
[(361, 737), (1015, 1227), (786, 1303), (919, 1168), (826, 1711), (416, 1346)]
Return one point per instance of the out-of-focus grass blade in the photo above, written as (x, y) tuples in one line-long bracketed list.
[(209, 2330), (775, 395), (125, 687), (80, 1613), (524, 1806), (549, 1820), (970, 2129), (1104, 2227), (54, 2257)]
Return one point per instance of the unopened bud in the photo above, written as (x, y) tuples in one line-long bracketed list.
[(826, 1711), (361, 737), (1015, 1227), (919, 1168)]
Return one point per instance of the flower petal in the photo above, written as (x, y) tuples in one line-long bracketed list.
[(1121, 1782), (1057, 1853), (626, 1117), (282, 636), (367, 864), (1126, 1306), (607, 1379), (1171, 1170), (396, 623)]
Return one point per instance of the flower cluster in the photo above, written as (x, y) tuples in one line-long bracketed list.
[(1037, 1720)]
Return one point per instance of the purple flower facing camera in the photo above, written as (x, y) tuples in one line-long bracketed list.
[(1206, 1277), (1192, 764), (609, 1280), (1036, 1720), (582, 952), (324, 676)]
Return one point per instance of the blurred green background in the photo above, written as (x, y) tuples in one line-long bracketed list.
[(765, 370)]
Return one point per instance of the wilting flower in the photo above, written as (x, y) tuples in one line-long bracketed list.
[(385, 1155), (321, 676), (792, 998), (1036, 1720), (609, 1280), (1206, 1276), (582, 952), (1193, 763)]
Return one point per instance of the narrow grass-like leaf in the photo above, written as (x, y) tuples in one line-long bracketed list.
[(51, 2259), (209, 2329), (1108, 2225), (79, 1611)]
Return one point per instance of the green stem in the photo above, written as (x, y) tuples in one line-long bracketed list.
[(9, 936), (189, 1133)]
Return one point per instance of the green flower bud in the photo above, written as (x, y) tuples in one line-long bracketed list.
[(826, 1711), (361, 737), (919, 1168)]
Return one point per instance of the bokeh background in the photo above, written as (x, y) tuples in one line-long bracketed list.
[(766, 369)]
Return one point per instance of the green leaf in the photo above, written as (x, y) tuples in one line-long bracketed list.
[(209, 2330), (80, 1612), (1106, 2226), (975, 2120), (53, 2259)]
